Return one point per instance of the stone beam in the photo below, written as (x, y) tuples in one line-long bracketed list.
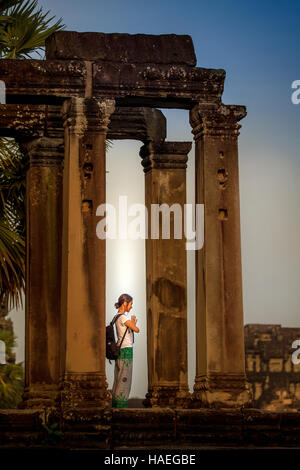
[(25, 120), (144, 124), (28, 78), (126, 48), (154, 85)]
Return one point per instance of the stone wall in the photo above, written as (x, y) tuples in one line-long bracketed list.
[(275, 380)]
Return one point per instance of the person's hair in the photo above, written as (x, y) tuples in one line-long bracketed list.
[(123, 298)]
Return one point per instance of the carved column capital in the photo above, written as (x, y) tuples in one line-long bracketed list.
[(43, 151), (81, 114), (216, 121), (165, 155)]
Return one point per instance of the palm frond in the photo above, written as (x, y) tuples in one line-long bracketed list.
[(12, 185), (6, 4), (12, 266), (26, 31)]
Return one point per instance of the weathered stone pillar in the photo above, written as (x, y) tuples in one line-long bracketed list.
[(220, 358), (165, 183), (83, 379), (43, 266)]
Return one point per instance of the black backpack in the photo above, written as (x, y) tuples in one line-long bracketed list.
[(112, 348)]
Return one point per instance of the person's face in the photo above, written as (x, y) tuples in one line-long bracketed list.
[(129, 306)]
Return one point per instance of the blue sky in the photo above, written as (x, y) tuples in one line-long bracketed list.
[(257, 43)]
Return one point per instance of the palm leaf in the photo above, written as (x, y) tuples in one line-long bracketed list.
[(26, 30), (5, 4), (12, 185), (12, 222), (12, 266)]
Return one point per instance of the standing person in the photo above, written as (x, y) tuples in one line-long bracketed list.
[(123, 365)]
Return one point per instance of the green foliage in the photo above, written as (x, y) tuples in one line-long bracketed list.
[(11, 385), (12, 265), (12, 222), (11, 375), (24, 28), (12, 185), (7, 335), (53, 434)]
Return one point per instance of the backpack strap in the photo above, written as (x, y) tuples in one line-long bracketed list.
[(112, 323), (123, 336), (115, 318)]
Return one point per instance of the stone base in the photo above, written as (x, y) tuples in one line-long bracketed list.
[(221, 391), (83, 395), (154, 428), (168, 396), (40, 396)]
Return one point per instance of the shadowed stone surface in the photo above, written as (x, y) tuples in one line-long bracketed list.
[(153, 429)]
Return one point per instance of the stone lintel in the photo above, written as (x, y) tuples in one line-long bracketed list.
[(31, 120), (178, 86), (25, 120), (16, 119), (123, 48), (33, 79), (145, 124), (165, 155)]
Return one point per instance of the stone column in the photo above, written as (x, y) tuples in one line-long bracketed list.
[(83, 380), (43, 266), (165, 183), (220, 357)]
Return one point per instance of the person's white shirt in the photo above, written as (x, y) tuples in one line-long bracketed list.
[(121, 328)]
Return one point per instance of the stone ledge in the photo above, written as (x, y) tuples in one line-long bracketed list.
[(153, 428)]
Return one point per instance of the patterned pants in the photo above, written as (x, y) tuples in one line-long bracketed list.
[(123, 376)]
